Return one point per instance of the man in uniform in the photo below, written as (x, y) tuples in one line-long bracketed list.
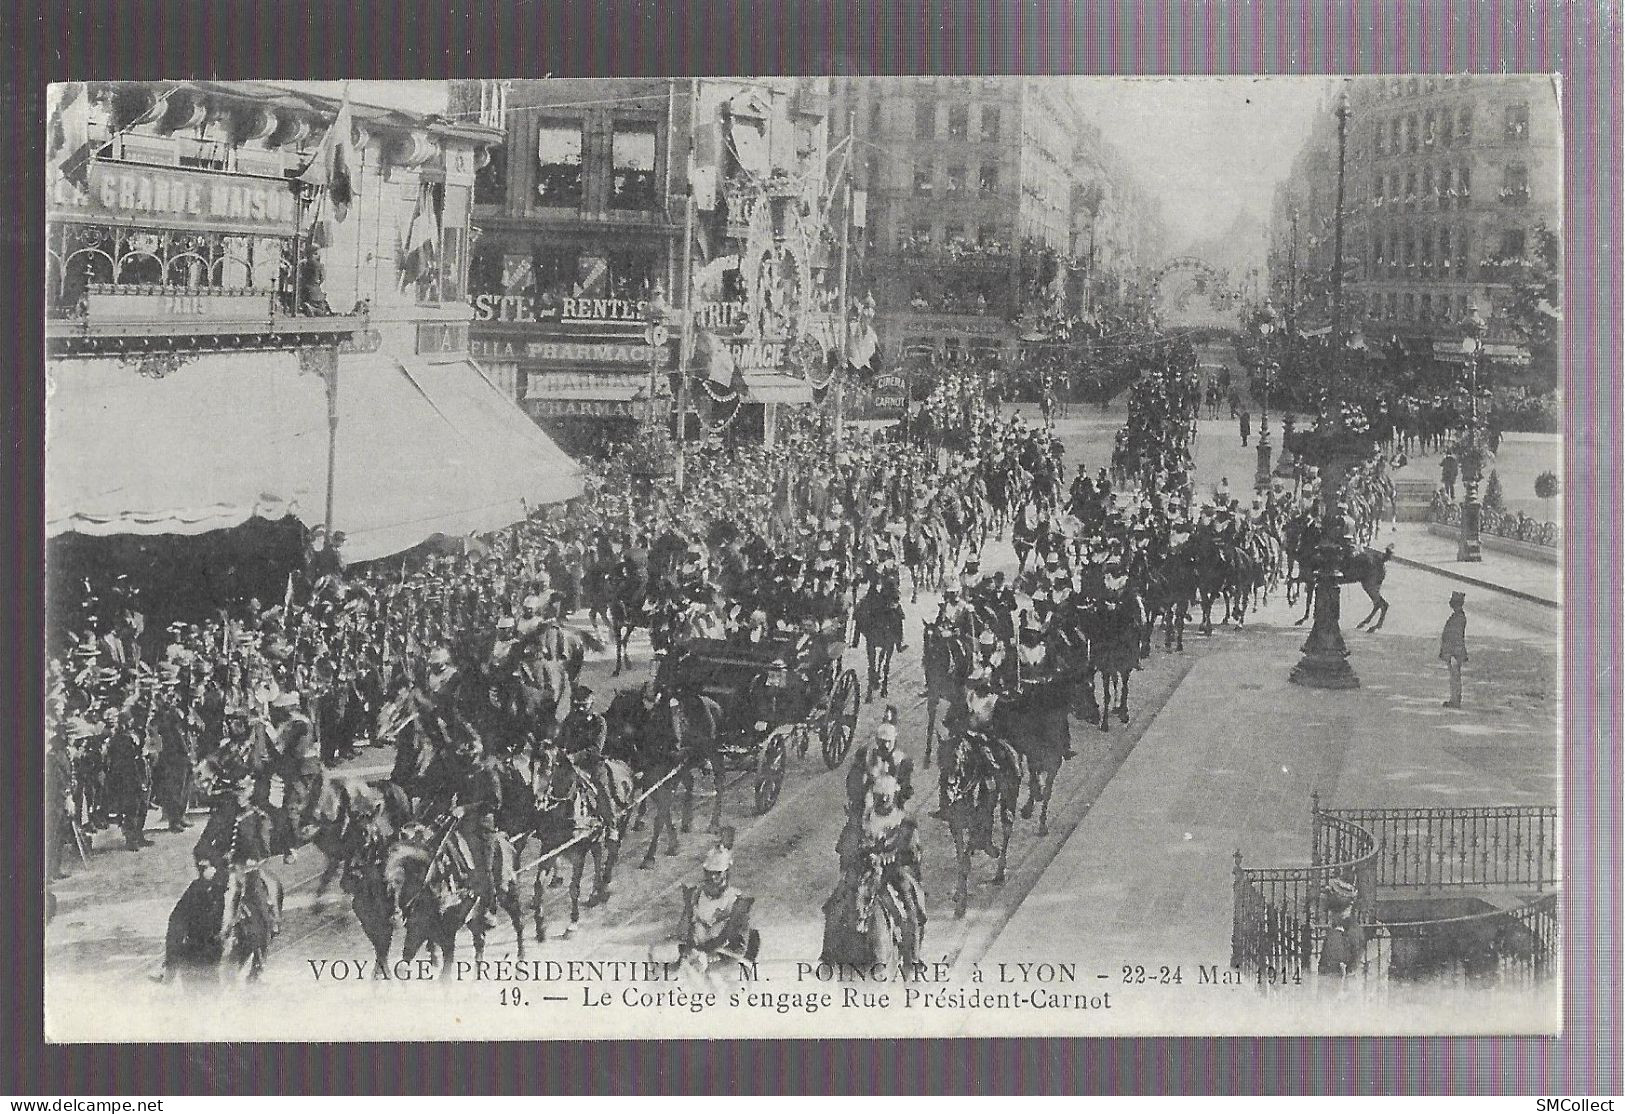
[(1453, 645), (882, 758), (299, 761), (715, 928)]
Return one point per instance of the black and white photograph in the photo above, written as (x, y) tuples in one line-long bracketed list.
[(821, 556)]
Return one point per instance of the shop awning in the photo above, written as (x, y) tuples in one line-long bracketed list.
[(421, 449), (775, 386)]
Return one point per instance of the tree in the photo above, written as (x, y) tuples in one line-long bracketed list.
[(1533, 300), (1546, 489), (1494, 498)]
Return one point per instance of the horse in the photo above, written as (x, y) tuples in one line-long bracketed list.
[(1035, 723), (1113, 627), (669, 735), (1367, 569), (223, 925), (577, 813), (980, 781), (878, 620), (923, 556), (426, 876), (628, 610), (945, 662)]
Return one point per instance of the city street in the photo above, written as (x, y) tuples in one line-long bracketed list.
[(1223, 705)]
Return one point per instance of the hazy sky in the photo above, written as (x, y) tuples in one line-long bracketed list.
[(1208, 147)]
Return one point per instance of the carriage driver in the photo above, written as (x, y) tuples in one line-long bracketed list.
[(582, 737), (715, 927)]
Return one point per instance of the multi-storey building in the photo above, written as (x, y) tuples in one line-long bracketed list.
[(969, 186), (581, 221), (1117, 230), (258, 307), (1444, 176)]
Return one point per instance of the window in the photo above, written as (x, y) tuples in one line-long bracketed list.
[(959, 121), (1413, 87), (558, 164), (1412, 134), (1517, 123), (922, 180), (1395, 132), (1396, 87), (1512, 243), (987, 234), (553, 276), (990, 123), (632, 161), (1430, 128), (1376, 249), (1464, 124), (1410, 189), (1410, 251), (989, 179), (1379, 142), (1447, 127), (632, 274), (1393, 249), (1464, 186), (1427, 250), (1393, 306), (1464, 263), (874, 116), (1461, 307), (1515, 184), (954, 234), (922, 232), (925, 120), (1427, 183), (1444, 248), (1410, 307), (1447, 185), (1427, 307), (491, 180), (956, 179)]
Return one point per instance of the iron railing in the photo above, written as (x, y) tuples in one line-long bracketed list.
[(1275, 925), (1430, 848), (1518, 946), (1278, 918)]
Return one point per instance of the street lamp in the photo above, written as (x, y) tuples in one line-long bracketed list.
[(1266, 370), (1472, 344), (656, 336)]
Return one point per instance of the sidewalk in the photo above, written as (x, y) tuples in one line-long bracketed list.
[(1231, 761), (1415, 544)]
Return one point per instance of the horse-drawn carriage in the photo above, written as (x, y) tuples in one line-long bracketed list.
[(774, 695)]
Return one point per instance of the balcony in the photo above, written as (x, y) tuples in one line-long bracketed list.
[(155, 317)]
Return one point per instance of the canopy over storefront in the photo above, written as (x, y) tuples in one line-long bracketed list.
[(422, 449)]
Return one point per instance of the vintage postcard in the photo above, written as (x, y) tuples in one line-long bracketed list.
[(803, 557)]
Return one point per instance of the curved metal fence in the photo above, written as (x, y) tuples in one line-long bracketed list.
[(1278, 919)]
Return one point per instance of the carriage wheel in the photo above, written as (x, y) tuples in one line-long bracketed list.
[(841, 721), (770, 772)]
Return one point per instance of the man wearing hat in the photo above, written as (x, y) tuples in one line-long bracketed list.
[(129, 778), (1343, 951), (299, 762), (715, 927), (1453, 645), (584, 730), (882, 758)]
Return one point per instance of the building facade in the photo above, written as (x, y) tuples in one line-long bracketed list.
[(1446, 177), (260, 287), (582, 222), (968, 182)]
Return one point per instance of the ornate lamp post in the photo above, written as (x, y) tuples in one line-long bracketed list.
[(1467, 544), (1335, 448), (1267, 367)]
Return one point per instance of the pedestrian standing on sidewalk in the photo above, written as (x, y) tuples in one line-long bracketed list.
[(1449, 469), (1453, 645), (1246, 426)]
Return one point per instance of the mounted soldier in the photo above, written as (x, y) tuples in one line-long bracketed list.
[(714, 936), (882, 758)]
